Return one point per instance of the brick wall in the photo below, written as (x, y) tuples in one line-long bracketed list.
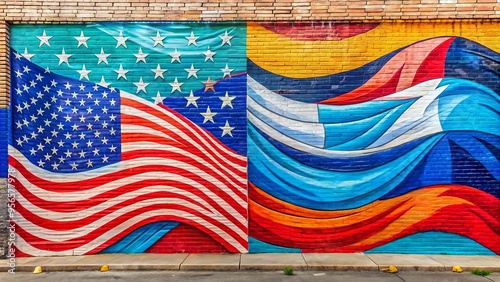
[(57, 12)]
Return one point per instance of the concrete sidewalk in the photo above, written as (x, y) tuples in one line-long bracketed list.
[(232, 262)]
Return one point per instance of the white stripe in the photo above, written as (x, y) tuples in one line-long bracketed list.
[(415, 91), (305, 132), (56, 235), (280, 105), (278, 136), (423, 111)]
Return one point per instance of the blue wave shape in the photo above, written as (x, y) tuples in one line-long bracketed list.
[(287, 179), (434, 242), (469, 60), (466, 158), (467, 105), (348, 163), (141, 239)]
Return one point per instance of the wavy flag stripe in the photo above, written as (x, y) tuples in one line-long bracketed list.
[(434, 58), (275, 221), (168, 169)]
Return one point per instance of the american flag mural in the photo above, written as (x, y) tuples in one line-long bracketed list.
[(113, 153)]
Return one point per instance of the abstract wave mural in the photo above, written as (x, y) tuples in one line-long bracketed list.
[(398, 153), (129, 138), (134, 137)]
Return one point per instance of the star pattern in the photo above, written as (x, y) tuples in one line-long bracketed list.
[(203, 72), (69, 126)]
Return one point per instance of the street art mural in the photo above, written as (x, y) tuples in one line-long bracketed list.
[(129, 138), (134, 137), (380, 138)]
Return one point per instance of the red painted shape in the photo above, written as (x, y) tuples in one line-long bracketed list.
[(433, 66), (378, 91), (311, 31), (186, 239)]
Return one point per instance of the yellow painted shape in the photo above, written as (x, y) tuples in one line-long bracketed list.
[(302, 59)]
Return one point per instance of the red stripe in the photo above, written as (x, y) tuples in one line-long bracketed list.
[(73, 206), (103, 179), (182, 158), (128, 137), (88, 220), (92, 235), (146, 137), (216, 144)]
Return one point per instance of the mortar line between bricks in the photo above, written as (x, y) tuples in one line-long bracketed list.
[(378, 266)]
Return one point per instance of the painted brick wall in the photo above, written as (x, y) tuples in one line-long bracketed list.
[(373, 137), (453, 13)]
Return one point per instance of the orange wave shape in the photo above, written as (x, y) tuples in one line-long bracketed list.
[(455, 209)]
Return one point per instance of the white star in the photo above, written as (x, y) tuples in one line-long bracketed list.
[(41, 163), (158, 99), (208, 115), (192, 39), (226, 39), (140, 56), (27, 55), (121, 72), (209, 55), (74, 166), (176, 86), (158, 39), (63, 57), (226, 100), (103, 57), (84, 73), (192, 71), (191, 100), (158, 72), (55, 166), (121, 40), (18, 56), (103, 82), (226, 129), (176, 56), (82, 40), (141, 86), (44, 39), (226, 71)]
